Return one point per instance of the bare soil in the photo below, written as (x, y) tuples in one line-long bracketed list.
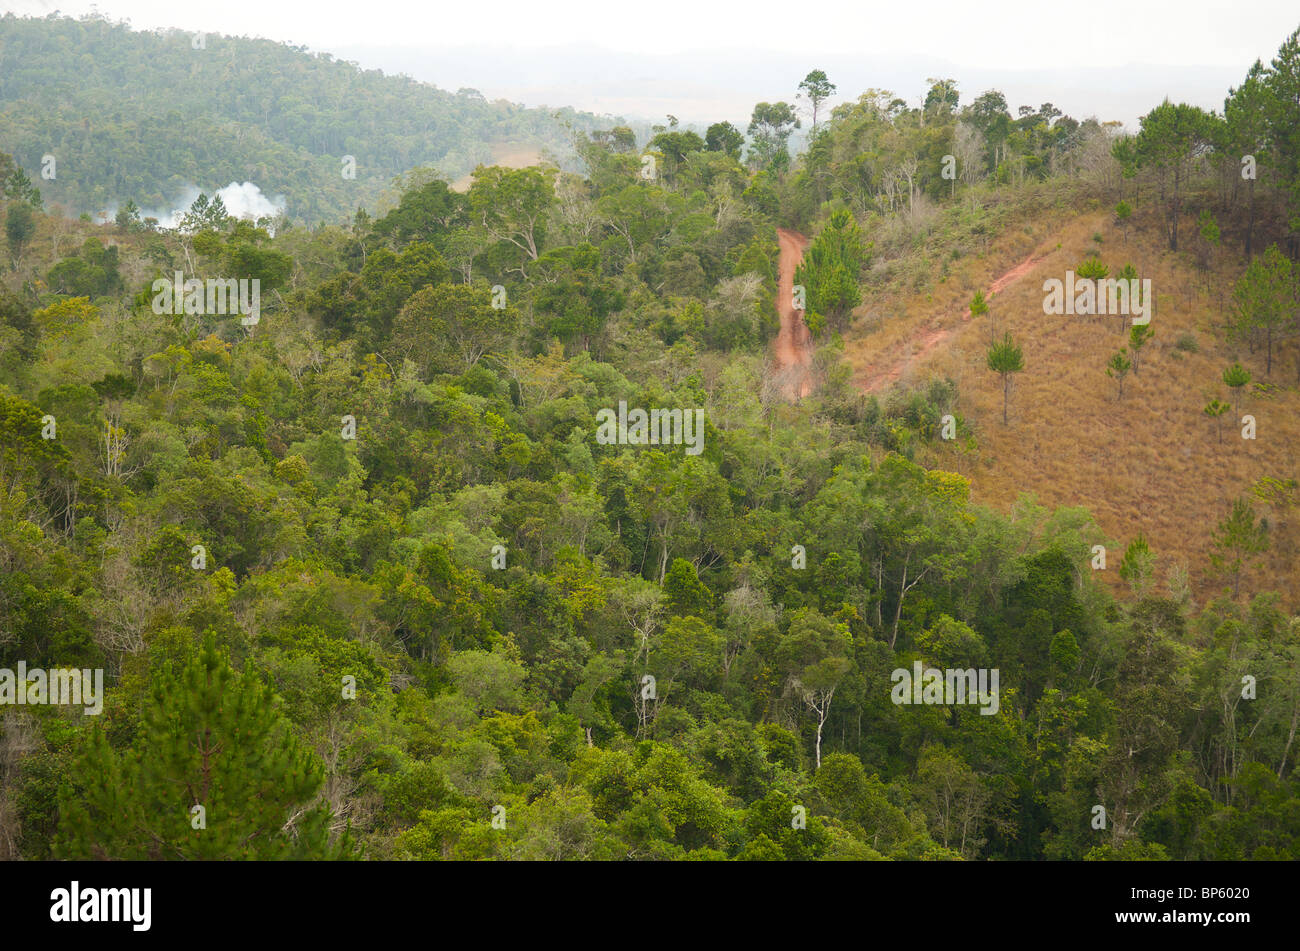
[(792, 349)]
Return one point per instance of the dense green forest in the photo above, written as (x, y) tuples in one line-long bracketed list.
[(366, 583), (100, 97)]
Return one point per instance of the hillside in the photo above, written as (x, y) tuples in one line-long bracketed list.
[(1151, 462), (145, 117)]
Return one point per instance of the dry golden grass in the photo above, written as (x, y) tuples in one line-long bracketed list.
[(1149, 463)]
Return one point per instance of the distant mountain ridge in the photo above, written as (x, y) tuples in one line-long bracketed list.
[(148, 116)]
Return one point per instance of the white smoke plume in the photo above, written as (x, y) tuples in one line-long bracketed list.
[(244, 200)]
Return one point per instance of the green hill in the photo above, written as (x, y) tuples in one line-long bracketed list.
[(145, 116)]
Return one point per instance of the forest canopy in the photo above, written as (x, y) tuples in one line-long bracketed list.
[(371, 543)]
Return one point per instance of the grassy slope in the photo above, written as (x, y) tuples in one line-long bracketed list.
[(1150, 463)]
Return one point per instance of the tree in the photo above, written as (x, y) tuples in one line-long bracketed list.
[(204, 215), (1093, 269), (954, 798), (65, 316), (426, 212), (210, 738), (1236, 540), (1006, 359), (1128, 273), (968, 149), (687, 650), (725, 138), (1123, 212), (1170, 139), (642, 214), (770, 127), (1117, 368), (575, 294), (951, 643), (1215, 410), (676, 146), (20, 225), (1264, 300), (830, 268), (990, 116), (815, 656), (128, 217), (456, 317), (511, 204), (686, 593), (1245, 115), (15, 185), (1135, 568), (942, 96), (1132, 774), (1283, 109), (914, 525), (1236, 376), (244, 260), (1139, 335), (978, 308), (620, 139), (1208, 229), (816, 88)]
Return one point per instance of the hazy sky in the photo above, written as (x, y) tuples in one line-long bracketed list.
[(1102, 56), (1012, 33)]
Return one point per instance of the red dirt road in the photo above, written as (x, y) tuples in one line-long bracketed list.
[(792, 349), (1019, 271), (793, 346), (886, 371), (877, 379)]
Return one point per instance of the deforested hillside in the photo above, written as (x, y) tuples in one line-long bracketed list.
[(1145, 459), (1129, 416)]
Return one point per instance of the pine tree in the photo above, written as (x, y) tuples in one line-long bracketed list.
[(1117, 368), (1139, 335), (1237, 539), (1137, 564), (978, 308), (1129, 273), (1006, 359), (1123, 212), (1264, 302), (1215, 410), (209, 738), (20, 225), (1236, 376), (829, 271)]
